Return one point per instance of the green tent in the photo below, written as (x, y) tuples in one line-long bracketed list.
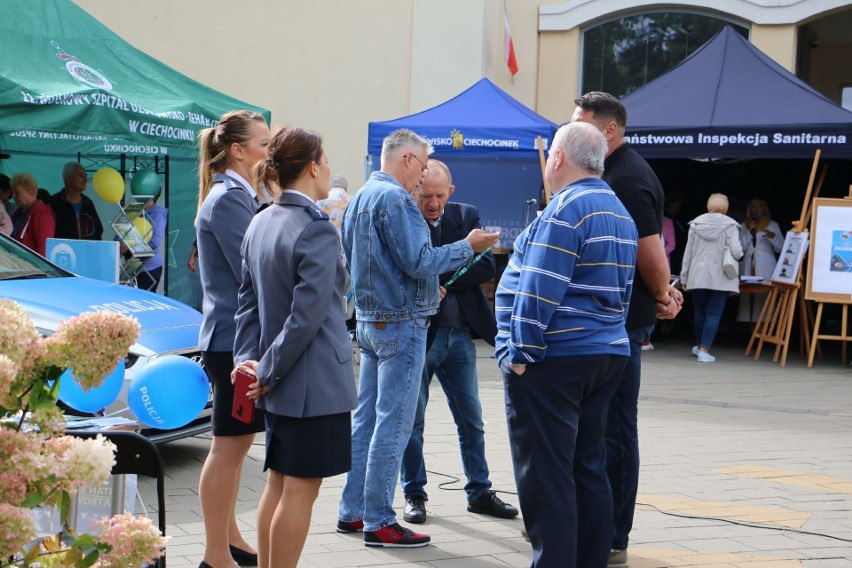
[(72, 90)]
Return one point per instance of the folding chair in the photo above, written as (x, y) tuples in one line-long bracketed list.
[(136, 454)]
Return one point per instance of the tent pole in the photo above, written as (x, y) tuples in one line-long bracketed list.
[(540, 144)]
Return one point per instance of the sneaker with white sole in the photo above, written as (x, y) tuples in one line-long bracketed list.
[(704, 357), (395, 536), (695, 350), (617, 558)]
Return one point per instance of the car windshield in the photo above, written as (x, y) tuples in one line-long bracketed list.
[(17, 262)]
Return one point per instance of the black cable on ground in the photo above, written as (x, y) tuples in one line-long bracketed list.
[(743, 524)]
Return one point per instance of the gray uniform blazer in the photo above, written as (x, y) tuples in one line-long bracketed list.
[(290, 316), (220, 227)]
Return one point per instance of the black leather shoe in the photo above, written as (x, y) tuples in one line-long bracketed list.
[(243, 557), (415, 510), (204, 565), (489, 504)]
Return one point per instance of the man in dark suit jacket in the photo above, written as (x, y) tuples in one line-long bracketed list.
[(464, 314)]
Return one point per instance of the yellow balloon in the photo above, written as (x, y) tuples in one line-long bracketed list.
[(109, 185), (144, 227)]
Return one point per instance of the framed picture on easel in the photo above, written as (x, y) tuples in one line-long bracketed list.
[(830, 262), (790, 259)]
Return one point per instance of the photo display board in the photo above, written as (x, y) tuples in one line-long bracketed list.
[(830, 262)]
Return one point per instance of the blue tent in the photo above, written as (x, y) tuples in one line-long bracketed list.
[(488, 140), (730, 100)]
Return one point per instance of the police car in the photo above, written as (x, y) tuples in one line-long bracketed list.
[(51, 295)]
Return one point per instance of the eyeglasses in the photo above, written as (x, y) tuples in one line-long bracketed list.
[(423, 169)]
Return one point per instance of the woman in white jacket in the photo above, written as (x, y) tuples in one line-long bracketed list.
[(762, 241), (702, 271)]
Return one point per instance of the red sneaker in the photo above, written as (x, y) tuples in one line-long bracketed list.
[(350, 527), (395, 536)]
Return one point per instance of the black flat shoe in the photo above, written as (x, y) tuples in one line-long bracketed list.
[(242, 557), (204, 565)]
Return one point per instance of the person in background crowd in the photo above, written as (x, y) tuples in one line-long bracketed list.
[(192, 259), (5, 196), (335, 204), (76, 217), (394, 272), (149, 279), (702, 273), (32, 221), (762, 241), (561, 343), (227, 202), (464, 313), (637, 187), (292, 336)]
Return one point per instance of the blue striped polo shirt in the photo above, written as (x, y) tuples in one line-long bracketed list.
[(566, 288)]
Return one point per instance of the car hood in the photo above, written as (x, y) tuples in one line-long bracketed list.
[(166, 325)]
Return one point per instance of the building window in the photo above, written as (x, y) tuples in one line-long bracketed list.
[(621, 55)]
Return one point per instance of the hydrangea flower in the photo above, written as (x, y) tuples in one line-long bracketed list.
[(132, 540)]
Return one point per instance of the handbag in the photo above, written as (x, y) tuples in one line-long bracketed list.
[(730, 266)]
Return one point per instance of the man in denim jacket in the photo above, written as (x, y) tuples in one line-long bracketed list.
[(394, 272)]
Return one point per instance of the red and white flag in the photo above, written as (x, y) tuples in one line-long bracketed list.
[(508, 46)]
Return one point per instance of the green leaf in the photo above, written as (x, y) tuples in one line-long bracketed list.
[(89, 559), (34, 499), (64, 507), (84, 541), (32, 555)]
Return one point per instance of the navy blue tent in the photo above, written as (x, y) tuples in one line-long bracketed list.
[(488, 140), (730, 100)]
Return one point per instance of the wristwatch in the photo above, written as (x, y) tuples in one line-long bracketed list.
[(518, 366)]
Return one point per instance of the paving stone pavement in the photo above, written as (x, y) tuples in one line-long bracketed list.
[(744, 465)]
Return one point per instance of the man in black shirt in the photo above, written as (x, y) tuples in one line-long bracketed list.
[(76, 217), (638, 188)]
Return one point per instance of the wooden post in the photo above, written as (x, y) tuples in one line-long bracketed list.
[(542, 160)]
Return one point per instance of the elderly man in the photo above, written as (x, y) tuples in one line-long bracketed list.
[(76, 217), (394, 272), (561, 342), (451, 354), (638, 188)]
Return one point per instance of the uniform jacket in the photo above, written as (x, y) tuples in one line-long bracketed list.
[(705, 245), (220, 228), (458, 221), (290, 315)]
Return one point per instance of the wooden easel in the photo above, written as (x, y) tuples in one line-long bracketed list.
[(776, 317), (822, 299)]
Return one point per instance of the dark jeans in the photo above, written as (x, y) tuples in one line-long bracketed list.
[(452, 357), (622, 439), (557, 416), (708, 305)]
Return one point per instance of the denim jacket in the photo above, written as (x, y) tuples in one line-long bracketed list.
[(389, 254)]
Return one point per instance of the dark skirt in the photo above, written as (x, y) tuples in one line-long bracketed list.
[(316, 446), (219, 365)]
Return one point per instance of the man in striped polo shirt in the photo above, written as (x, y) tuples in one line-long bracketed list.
[(561, 341)]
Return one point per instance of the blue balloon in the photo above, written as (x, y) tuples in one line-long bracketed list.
[(168, 392), (94, 399)]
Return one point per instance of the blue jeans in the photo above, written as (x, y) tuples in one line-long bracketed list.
[(622, 439), (557, 417), (452, 356), (392, 355), (709, 305)]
